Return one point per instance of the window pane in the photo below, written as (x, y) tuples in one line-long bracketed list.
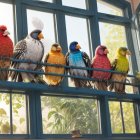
[(115, 116), (129, 119), (7, 18), (107, 8), (5, 113), (47, 0), (77, 30), (75, 3), (49, 27), (114, 36), (62, 115), (19, 114)]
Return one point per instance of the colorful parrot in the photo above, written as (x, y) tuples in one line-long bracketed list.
[(80, 59), (32, 49), (101, 61), (120, 64), (55, 56), (6, 50)]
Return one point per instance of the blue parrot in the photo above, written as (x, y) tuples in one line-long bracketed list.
[(80, 59)]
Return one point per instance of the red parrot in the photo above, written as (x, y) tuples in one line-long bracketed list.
[(6, 50), (101, 61)]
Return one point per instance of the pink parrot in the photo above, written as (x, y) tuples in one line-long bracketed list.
[(101, 61)]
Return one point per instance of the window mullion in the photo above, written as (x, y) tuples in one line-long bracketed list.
[(94, 25), (11, 115), (123, 125), (105, 117)]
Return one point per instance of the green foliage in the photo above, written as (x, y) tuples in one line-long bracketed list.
[(66, 115)]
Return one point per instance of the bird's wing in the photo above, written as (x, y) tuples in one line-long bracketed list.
[(67, 61), (67, 58), (46, 58), (20, 50), (19, 53), (113, 64), (87, 61)]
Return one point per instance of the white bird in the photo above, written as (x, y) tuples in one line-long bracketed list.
[(30, 48)]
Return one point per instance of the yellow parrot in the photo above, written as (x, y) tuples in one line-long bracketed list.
[(120, 64), (55, 56)]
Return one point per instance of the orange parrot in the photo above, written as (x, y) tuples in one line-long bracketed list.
[(55, 56)]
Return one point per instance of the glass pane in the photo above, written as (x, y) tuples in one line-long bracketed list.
[(115, 116), (49, 27), (114, 36), (19, 114), (75, 3), (46, 0), (77, 30), (5, 113), (62, 115), (107, 8), (7, 18), (129, 119)]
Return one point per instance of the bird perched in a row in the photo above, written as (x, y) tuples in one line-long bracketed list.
[(120, 64), (55, 56), (30, 48), (80, 59), (6, 50), (101, 61)]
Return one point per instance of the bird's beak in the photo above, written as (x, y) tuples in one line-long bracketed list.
[(40, 36), (106, 51), (6, 32), (128, 52), (59, 48), (78, 47)]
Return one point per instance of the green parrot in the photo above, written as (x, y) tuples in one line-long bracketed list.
[(120, 64)]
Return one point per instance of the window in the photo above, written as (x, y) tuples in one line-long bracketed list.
[(38, 111), (47, 0), (49, 27), (75, 3), (122, 117), (107, 8), (77, 30), (13, 120), (113, 36), (6, 10), (63, 115)]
